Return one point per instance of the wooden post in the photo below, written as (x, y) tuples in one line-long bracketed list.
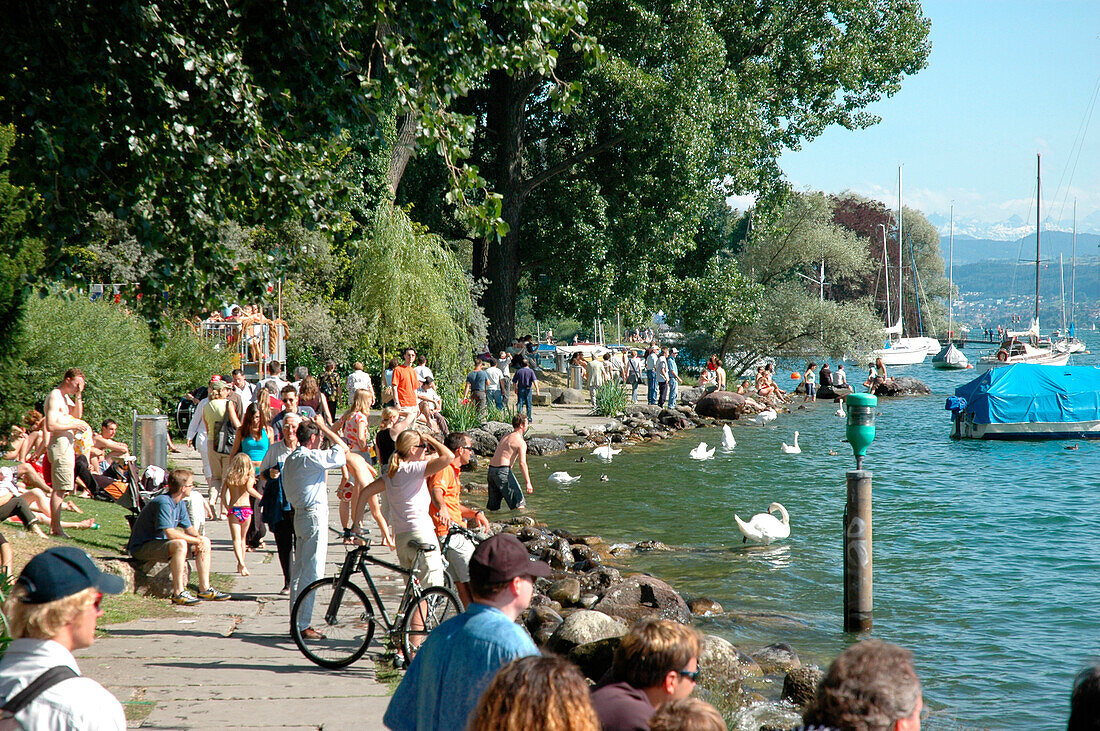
[(858, 584)]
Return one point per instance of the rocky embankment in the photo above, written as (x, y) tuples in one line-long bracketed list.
[(590, 601)]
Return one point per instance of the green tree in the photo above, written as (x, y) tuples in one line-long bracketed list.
[(689, 94)]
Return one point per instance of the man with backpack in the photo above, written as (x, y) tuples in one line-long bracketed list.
[(52, 611)]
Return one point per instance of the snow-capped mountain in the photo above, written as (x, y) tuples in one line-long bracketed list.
[(1012, 228)]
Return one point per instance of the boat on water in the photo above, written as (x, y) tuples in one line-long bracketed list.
[(1025, 346), (950, 358), (1026, 401)]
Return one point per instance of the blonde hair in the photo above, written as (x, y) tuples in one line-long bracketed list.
[(402, 448), (240, 471), (536, 692), (361, 402), (44, 621), (687, 714), (389, 413)]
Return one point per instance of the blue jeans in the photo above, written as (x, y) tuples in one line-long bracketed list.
[(503, 485), (497, 397), (651, 384), (523, 399), (673, 390)]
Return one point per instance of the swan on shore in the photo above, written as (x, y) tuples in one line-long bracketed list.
[(701, 452), (728, 442), (764, 417), (765, 527), (563, 478), (792, 448)]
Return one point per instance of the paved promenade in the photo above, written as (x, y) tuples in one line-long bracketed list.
[(232, 664)]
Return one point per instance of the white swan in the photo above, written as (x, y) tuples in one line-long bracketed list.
[(793, 448), (605, 452), (765, 527), (840, 412), (563, 478), (701, 452), (764, 417), (728, 442)]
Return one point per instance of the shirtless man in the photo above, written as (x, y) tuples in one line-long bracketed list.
[(64, 409), (105, 447), (502, 483)]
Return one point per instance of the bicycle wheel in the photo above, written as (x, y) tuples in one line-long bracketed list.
[(344, 618), (434, 607)]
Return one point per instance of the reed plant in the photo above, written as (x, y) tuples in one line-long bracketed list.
[(610, 399), (460, 416)]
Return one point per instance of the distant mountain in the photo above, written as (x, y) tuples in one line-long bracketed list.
[(1053, 243), (1012, 228)]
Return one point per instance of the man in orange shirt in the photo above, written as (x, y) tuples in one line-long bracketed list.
[(446, 508), (405, 382)]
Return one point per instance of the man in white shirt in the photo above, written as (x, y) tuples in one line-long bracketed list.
[(423, 372), (359, 379), (662, 377), (493, 384), (651, 375), (304, 473), (840, 378), (275, 376), (242, 387), (59, 584)]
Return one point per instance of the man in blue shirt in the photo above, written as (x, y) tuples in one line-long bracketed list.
[(461, 656), (673, 378), (163, 533)]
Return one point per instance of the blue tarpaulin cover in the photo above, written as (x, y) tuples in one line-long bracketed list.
[(1026, 393)]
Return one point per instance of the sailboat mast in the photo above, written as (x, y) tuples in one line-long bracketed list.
[(951, 277), (1038, 226), (901, 275), (1073, 270), (886, 277), (1062, 273)]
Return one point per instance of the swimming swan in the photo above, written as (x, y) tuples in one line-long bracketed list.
[(605, 452), (563, 478), (765, 527), (792, 449), (728, 442), (701, 452)]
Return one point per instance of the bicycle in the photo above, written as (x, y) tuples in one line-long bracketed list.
[(349, 618)]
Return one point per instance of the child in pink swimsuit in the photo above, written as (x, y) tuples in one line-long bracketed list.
[(239, 483)]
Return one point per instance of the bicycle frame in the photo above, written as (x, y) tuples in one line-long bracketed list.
[(357, 560)]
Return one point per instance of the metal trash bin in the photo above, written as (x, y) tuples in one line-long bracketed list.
[(150, 443), (559, 362), (576, 376)]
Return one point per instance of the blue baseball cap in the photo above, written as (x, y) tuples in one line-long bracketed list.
[(63, 571)]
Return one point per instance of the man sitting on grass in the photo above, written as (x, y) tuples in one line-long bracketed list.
[(163, 533)]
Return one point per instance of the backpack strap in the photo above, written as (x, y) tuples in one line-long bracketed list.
[(43, 682)]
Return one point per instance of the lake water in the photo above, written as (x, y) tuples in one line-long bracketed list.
[(986, 558)]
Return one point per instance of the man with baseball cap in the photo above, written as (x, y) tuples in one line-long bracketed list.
[(52, 611), (461, 656)]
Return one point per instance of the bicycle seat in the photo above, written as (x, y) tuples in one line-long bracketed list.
[(422, 545)]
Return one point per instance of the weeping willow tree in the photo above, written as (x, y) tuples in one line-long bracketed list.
[(410, 289)]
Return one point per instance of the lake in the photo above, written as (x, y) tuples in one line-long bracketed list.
[(986, 555)]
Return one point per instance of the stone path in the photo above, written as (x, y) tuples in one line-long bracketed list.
[(233, 664)]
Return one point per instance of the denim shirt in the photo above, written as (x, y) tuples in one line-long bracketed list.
[(453, 667)]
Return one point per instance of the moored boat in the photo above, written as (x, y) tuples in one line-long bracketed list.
[(950, 359), (1026, 401)]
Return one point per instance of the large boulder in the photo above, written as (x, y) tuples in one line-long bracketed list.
[(541, 399), (689, 395), (800, 685), (566, 592), (497, 428), (594, 658), (572, 396), (721, 405), (155, 579), (724, 664), (777, 658), (902, 386), (553, 391), (541, 622), (646, 411), (545, 444), (582, 627), (641, 596), (482, 441), (831, 393)]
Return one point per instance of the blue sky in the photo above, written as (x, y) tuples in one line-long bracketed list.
[(1006, 79)]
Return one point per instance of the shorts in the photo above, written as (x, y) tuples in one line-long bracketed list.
[(503, 485), (459, 552), (430, 570), (153, 551), (62, 463), (242, 513), (218, 463)]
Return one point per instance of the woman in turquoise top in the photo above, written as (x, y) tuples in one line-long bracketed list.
[(254, 437)]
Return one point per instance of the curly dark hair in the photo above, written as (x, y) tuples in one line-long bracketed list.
[(868, 687)]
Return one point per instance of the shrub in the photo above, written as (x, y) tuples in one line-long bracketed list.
[(610, 399), (460, 416), (185, 361)]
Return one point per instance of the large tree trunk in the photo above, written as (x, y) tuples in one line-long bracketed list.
[(402, 150), (497, 259)]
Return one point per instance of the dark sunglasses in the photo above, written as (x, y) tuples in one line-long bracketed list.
[(692, 675)]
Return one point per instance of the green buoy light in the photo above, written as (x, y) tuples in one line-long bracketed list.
[(860, 430)]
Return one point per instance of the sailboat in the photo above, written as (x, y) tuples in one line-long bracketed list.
[(899, 350), (1069, 343), (1025, 346), (950, 358)]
